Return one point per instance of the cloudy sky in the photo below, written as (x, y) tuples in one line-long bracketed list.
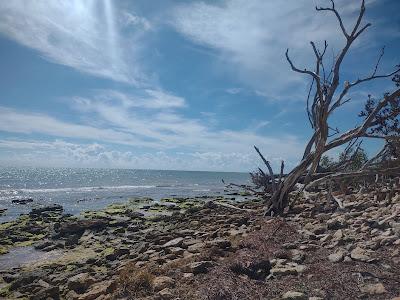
[(172, 84)]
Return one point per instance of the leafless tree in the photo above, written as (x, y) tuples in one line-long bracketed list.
[(325, 96)]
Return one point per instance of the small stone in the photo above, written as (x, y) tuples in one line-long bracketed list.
[(360, 254), (80, 282), (173, 243), (162, 282), (297, 255), (166, 294), (199, 267), (294, 296), (220, 243), (336, 257), (195, 248), (336, 223), (98, 289), (373, 289), (338, 235)]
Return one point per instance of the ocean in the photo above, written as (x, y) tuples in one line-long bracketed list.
[(80, 189)]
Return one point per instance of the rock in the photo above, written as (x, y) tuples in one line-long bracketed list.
[(162, 282), (337, 223), (257, 270), (80, 282), (199, 267), (297, 255), (51, 292), (288, 270), (175, 250), (315, 228), (220, 243), (173, 243), (166, 294), (294, 296), (373, 289), (79, 226), (2, 211), (338, 235), (98, 289), (25, 279), (22, 201), (195, 248), (43, 244), (360, 254), (41, 210), (337, 256)]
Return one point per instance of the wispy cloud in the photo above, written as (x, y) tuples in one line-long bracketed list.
[(84, 35), (253, 35), (153, 122)]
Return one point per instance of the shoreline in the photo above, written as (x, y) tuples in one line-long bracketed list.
[(200, 248)]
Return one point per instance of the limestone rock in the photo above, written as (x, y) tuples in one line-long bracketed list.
[(173, 243), (360, 254), (373, 289), (337, 256), (291, 295)]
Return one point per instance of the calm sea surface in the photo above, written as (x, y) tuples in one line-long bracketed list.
[(90, 189)]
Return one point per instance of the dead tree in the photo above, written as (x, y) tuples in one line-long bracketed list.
[(325, 96)]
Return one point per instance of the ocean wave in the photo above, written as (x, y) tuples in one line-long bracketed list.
[(15, 192)]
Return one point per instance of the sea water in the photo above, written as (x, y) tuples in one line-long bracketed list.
[(90, 189)]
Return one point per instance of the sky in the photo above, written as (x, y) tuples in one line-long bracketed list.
[(173, 84)]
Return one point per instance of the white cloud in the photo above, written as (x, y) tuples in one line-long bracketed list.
[(84, 35), (28, 123), (152, 123), (252, 37), (60, 153)]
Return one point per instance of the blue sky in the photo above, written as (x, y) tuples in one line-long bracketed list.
[(172, 84)]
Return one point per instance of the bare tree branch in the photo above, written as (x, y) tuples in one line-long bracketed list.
[(332, 9)]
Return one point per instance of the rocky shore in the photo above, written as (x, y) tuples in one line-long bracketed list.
[(207, 248)]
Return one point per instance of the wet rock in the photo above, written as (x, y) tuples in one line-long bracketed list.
[(44, 244), (79, 226), (27, 278), (162, 282), (44, 210), (22, 201), (291, 295)]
